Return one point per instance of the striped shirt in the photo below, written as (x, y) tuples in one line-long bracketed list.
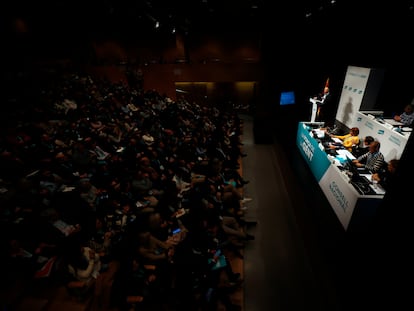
[(372, 161)]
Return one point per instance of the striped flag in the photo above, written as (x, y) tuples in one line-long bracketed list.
[(327, 82)]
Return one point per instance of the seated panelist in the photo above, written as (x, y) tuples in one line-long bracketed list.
[(407, 116), (363, 147), (385, 175), (373, 160), (348, 141)]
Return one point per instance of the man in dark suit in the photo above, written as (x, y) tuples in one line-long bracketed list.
[(318, 101)]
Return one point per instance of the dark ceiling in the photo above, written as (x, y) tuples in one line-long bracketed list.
[(122, 18), (294, 35), (127, 18), (288, 25)]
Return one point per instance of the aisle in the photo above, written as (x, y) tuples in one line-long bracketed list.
[(279, 274)]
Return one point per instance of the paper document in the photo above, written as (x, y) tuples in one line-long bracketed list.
[(393, 122), (367, 176), (377, 188), (343, 153), (320, 133)]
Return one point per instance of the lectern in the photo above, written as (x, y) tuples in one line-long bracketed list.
[(315, 106)]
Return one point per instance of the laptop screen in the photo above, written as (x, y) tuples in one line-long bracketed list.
[(350, 166)]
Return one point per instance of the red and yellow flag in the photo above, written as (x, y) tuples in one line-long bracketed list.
[(327, 82)]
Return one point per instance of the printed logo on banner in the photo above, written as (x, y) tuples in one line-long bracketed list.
[(307, 147), (395, 140), (338, 195), (369, 125), (380, 132), (310, 150)]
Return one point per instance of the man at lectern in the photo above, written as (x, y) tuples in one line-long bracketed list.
[(320, 99), (317, 102)]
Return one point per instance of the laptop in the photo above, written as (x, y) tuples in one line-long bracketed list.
[(361, 183)]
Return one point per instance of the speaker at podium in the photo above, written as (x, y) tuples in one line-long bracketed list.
[(317, 102)]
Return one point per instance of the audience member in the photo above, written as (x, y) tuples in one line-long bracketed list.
[(83, 263), (152, 250), (61, 225), (85, 266), (101, 240), (136, 284), (214, 263)]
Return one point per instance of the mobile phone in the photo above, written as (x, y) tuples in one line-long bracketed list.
[(175, 231)]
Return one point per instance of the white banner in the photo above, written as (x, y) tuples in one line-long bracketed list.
[(392, 142), (340, 193), (353, 89)]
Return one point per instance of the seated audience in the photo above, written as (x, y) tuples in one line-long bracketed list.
[(55, 219), (215, 264), (152, 250), (101, 239), (136, 285), (85, 266), (85, 177)]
